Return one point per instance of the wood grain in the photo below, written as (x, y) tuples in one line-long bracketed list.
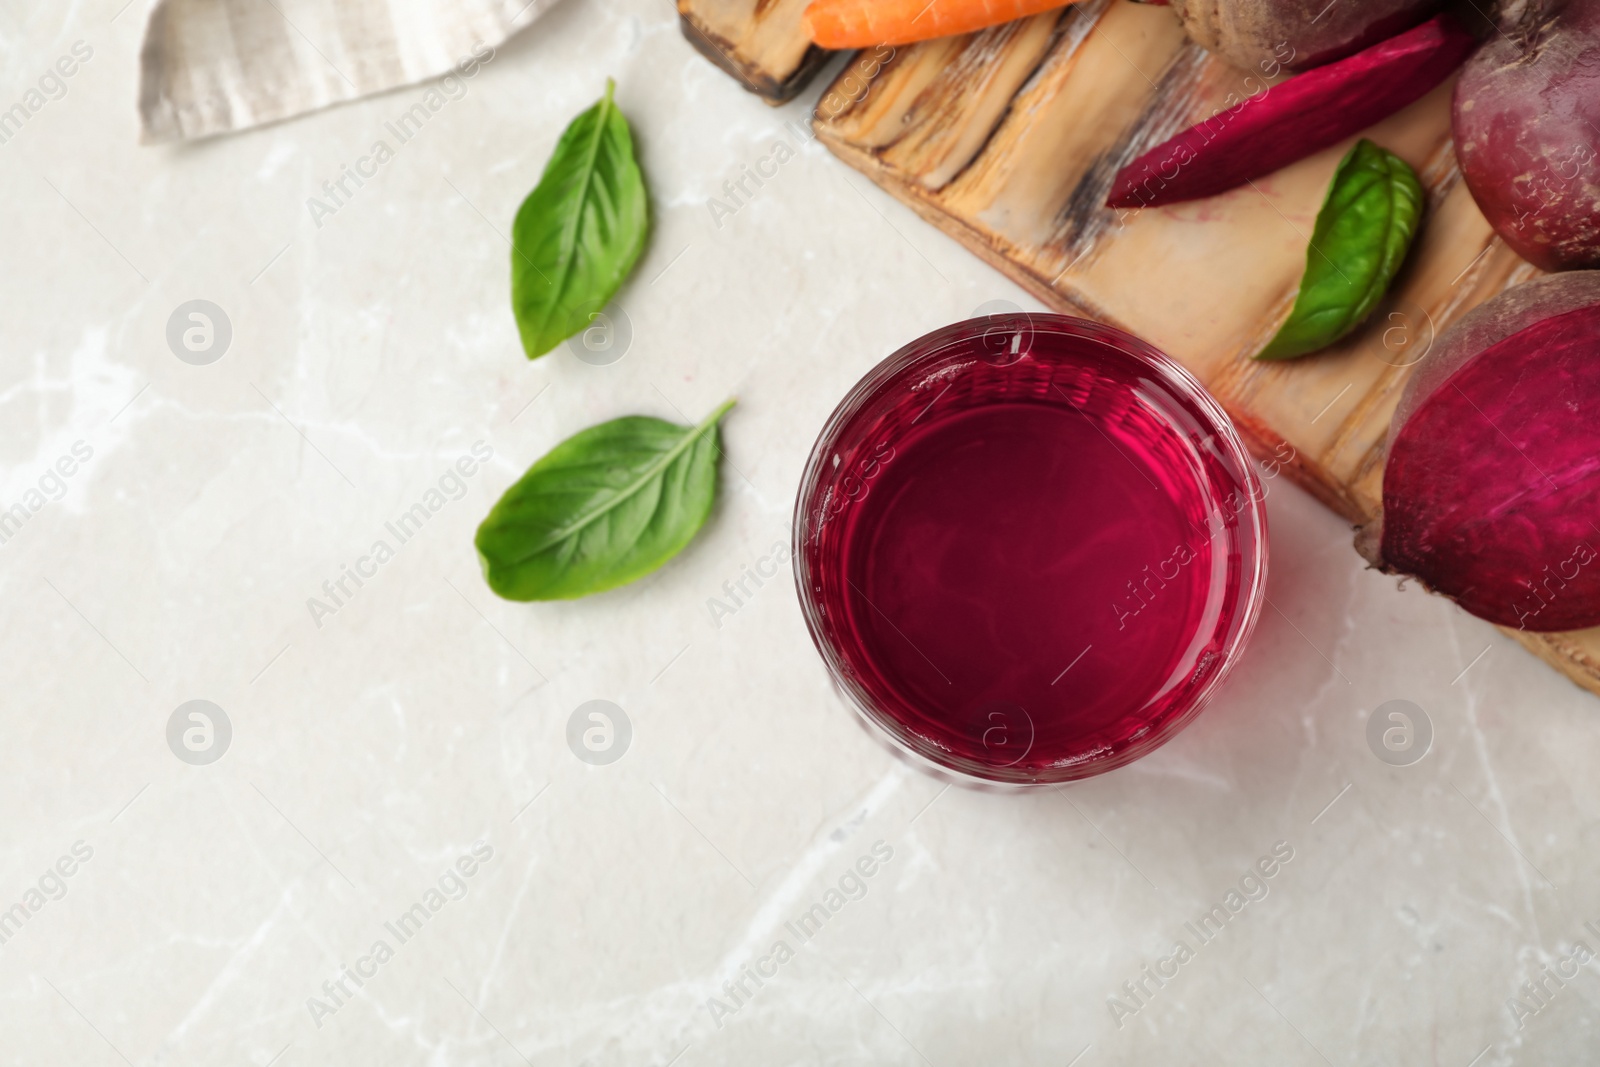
[(1008, 140), (760, 42)]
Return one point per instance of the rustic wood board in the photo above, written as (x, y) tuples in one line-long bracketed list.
[(760, 42), (1008, 141)]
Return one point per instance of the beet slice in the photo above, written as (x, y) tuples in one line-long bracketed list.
[(1293, 119), (1491, 492)]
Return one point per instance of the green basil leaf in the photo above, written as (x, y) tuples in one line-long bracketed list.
[(607, 505), (580, 231), (1361, 237)]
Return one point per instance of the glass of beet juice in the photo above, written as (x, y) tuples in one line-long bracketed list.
[(1029, 547)]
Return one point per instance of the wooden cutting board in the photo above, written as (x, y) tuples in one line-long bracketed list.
[(759, 42), (1008, 140)]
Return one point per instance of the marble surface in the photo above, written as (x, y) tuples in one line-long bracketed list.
[(208, 904)]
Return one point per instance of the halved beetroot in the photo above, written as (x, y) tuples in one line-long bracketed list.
[(1293, 119), (1491, 492)]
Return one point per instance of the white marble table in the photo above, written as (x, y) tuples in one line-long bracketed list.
[(208, 905)]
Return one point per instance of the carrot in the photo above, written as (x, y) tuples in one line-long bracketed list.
[(866, 23)]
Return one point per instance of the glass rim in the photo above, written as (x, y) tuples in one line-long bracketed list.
[(929, 348)]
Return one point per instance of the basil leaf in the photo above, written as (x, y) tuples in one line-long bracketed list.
[(607, 505), (580, 231), (1361, 237)]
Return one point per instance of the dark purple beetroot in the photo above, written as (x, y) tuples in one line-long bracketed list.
[(1294, 119), (1491, 492), (1526, 121), (1297, 34)]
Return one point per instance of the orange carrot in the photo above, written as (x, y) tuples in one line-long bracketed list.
[(865, 23)]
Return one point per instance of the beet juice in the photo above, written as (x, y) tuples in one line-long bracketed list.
[(1029, 547)]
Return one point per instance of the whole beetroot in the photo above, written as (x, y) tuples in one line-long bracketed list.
[(1491, 491), (1266, 35), (1526, 120)]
